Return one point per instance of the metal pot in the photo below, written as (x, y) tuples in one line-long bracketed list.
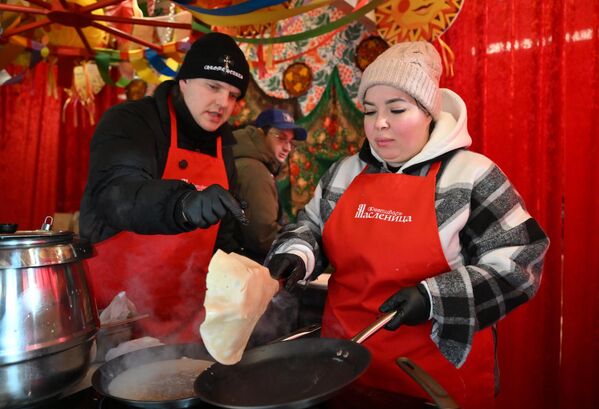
[(48, 319)]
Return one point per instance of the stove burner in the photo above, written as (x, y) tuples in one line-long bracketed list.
[(353, 397)]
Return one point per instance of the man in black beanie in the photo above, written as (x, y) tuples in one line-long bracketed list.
[(157, 202)]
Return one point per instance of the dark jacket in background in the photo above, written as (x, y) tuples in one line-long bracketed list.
[(257, 168), (127, 159)]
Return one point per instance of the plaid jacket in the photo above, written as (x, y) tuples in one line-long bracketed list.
[(494, 248)]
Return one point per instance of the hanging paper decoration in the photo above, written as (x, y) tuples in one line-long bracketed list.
[(368, 50), (412, 20), (297, 79), (87, 82)]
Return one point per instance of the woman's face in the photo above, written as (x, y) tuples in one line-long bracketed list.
[(396, 128), (210, 102)]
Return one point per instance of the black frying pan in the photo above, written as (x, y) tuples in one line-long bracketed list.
[(111, 369), (292, 374)]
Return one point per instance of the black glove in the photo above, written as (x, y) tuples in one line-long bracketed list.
[(205, 208), (289, 267), (412, 304)]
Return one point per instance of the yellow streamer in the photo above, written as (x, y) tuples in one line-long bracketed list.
[(18, 40), (258, 17), (448, 57), (170, 50), (141, 67), (173, 65)]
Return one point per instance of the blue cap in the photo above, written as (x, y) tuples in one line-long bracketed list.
[(277, 118)]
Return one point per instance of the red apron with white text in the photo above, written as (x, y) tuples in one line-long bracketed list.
[(383, 236), (163, 275)]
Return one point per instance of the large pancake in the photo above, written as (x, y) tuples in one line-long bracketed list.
[(239, 290)]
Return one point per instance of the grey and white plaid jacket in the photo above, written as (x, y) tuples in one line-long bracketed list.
[(494, 248)]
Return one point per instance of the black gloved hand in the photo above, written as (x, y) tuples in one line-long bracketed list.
[(412, 305), (288, 267), (205, 208)]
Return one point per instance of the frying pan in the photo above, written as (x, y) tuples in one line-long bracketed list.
[(292, 374), (111, 369)]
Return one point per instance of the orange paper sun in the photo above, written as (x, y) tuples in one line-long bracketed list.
[(413, 20)]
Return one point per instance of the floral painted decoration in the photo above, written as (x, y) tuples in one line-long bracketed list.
[(297, 79)]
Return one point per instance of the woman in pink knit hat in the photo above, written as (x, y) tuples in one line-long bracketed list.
[(418, 224)]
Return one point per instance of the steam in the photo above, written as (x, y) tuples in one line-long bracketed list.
[(279, 319), (182, 303)]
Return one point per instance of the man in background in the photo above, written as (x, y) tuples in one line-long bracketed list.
[(260, 152)]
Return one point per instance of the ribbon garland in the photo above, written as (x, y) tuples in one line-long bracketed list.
[(105, 57), (158, 63), (259, 62), (235, 10), (262, 17), (349, 18), (103, 61)]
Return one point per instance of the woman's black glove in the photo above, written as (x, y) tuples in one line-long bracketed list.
[(412, 304), (288, 267), (204, 208)]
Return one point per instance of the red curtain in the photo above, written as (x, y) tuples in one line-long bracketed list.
[(528, 73), (43, 159)]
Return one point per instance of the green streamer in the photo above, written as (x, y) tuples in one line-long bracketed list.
[(103, 61), (306, 34)]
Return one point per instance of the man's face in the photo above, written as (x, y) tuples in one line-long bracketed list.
[(280, 142), (210, 102)]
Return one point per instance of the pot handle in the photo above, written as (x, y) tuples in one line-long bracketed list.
[(426, 382)]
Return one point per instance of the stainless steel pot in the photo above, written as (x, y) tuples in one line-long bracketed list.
[(48, 319)]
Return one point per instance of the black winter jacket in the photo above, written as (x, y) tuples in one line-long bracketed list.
[(128, 155)]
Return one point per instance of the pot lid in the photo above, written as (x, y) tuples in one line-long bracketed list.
[(34, 248), (34, 238), (11, 237)]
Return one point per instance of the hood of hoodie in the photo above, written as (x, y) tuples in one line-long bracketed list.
[(251, 144), (450, 132)]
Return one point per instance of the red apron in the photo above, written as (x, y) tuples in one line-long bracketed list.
[(164, 275), (392, 220)]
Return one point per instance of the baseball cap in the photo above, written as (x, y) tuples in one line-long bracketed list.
[(280, 119)]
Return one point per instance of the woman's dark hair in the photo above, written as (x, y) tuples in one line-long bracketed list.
[(431, 127)]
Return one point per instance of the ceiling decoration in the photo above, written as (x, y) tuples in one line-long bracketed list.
[(413, 20), (125, 39)]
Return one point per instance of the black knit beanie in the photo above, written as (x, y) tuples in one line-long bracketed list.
[(216, 56)]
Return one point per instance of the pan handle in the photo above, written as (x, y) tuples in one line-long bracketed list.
[(374, 327), (297, 333), (426, 382)]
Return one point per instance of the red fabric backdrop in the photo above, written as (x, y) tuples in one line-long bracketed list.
[(43, 159), (528, 73)]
